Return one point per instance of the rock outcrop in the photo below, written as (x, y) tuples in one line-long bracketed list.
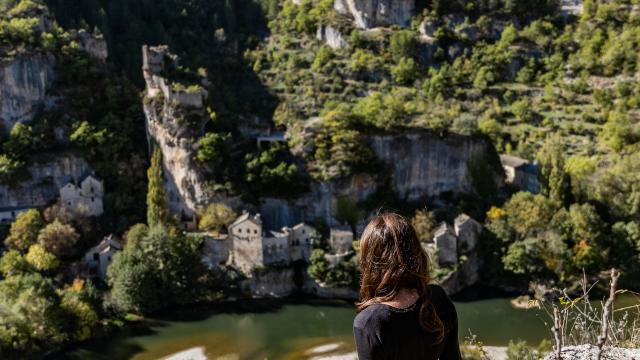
[(43, 179), (165, 110), (374, 13), (24, 82), (331, 36), (94, 45), (588, 352)]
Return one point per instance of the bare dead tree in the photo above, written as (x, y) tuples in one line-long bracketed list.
[(557, 329), (607, 309)]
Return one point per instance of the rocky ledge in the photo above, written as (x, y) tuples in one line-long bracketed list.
[(588, 352)]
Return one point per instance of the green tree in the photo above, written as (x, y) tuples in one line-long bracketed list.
[(133, 237), (323, 56), (403, 45), (164, 270), (59, 239), (554, 180), (211, 148), (215, 217), (41, 259), (156, 198), (405, 72), (13, 263), (318, 266), (24, 230)]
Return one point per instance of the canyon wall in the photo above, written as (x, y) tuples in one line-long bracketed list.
[(374, 13), (24, 82), (40, 183)]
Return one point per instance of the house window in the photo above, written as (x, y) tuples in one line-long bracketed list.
[(255, 231), (303, 231), (96, 257), (69, 203), (93, 199), (13, 214), (307, 240)]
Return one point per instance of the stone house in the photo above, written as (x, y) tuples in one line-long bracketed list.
[(341, 239), (447, 244), (450, 241), (468, 232), (83, 198), (246, 235), (301, 241), (251, 246), (521, 173), (99, 257)]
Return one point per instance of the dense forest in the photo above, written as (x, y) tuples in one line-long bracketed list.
[(546, 85)]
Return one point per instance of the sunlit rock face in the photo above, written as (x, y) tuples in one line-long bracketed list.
[(165, 108), (24, 82), (42, 180), (374, 13)]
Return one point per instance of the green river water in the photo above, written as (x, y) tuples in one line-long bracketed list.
[(288, 331)]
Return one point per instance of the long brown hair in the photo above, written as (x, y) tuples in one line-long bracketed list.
[(391, 259)]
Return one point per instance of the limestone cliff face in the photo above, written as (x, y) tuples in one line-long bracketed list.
[(419, 165), (373, 13), (24, 82), (43, 179), (165, 110), (425, 164)]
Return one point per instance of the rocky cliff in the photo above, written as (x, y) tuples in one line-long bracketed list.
[(373, 13), (40, 183), (418, 165), (166, 110), (24, 82)]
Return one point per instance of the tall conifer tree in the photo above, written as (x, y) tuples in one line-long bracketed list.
[(156, 200)]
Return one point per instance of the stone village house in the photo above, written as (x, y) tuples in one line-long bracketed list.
[(84, 197), (449, 241), (247, 245), (521, 173), (99, 257)]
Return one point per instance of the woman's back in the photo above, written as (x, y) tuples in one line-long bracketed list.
[(385, 332)]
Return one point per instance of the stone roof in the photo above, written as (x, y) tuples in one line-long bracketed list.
[(463, 218), (247, 216), (108, 243), (512, 161)]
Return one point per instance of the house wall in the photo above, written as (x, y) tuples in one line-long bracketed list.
[(247, 245), (301, 243), (468, 233), (447, 249), (341, 241), (276, 250)]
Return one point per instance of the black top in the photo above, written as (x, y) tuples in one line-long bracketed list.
[(383, 332)]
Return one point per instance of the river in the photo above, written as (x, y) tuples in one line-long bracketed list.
[(292, 330)]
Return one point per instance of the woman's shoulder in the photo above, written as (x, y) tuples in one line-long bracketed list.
[(372, 316), (443, 305)]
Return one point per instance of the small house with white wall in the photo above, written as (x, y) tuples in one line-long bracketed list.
[(99, 257), (521, 173)]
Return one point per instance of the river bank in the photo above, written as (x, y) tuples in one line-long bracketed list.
[(285, 329)]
